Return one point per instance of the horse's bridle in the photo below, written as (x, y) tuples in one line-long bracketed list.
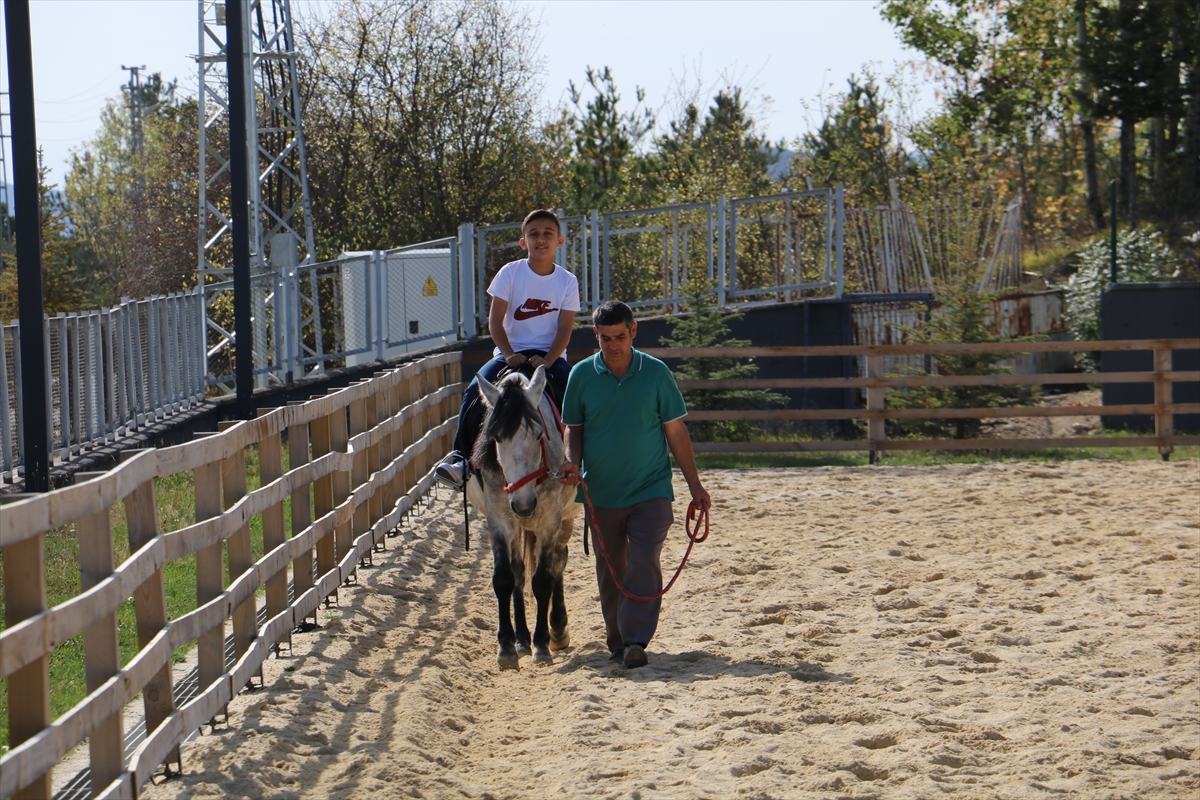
[(541, 473)]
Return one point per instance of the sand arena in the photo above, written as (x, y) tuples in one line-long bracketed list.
[(1007, 630)]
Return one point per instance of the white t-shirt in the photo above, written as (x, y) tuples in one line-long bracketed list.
[(533, 303)]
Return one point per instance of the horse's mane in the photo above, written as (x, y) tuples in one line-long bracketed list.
[(503, 421)]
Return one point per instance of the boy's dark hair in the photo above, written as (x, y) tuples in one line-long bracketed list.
[(612, 312), (542, 213)]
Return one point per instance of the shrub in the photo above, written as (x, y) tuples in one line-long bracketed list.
[(1141, 257)]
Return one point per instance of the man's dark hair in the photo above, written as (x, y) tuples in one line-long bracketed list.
[(612, 312), (542, 213)]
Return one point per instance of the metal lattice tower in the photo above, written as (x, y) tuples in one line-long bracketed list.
[(280, 215)]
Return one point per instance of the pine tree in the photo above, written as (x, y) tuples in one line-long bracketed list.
[(964, 318), (707, 326)]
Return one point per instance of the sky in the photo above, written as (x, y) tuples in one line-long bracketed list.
[(783, 52)]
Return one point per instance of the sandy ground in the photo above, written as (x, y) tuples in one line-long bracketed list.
[(1008, 630)]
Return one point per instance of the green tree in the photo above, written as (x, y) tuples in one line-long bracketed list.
[(605, 141), (61, 286), (134, 212), (419, 116), (855, 145), (965, 317), (1130, 64), (699, 159), (705, 325)]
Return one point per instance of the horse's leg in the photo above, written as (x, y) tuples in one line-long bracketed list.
[(560, 637), (543, 588), (517, 559), (502, 583)]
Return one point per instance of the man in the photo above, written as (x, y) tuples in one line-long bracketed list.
[(623, 410), (533, 310)]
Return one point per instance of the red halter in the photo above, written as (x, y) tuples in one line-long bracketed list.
[(541, 473)]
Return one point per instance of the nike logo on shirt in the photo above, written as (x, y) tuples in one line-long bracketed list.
[(532, 308)]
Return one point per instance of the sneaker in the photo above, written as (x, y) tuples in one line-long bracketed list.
[(617, 656), (451, 470), (635, 656)]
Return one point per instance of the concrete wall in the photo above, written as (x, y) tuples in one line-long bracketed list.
[(1150, 311)]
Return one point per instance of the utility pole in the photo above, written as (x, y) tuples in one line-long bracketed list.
[(35, 377), (239, 212), (137, 143)]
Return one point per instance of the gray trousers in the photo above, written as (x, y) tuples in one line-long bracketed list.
[(634, 537)]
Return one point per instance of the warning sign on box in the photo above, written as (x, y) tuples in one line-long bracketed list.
[(430, 288)]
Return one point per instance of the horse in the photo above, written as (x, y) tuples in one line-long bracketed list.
[(529, 514)]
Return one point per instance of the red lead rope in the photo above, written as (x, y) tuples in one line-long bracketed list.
[(695, 514)]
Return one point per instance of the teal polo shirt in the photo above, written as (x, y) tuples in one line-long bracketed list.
[(624, 448)]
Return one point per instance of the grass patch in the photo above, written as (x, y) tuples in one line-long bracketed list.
[(176, 499)]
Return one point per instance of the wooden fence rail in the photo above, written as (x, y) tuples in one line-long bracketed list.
[(365, 450), (877, 384)]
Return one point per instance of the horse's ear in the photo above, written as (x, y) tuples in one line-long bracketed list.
[(491, 395), (536, 386)]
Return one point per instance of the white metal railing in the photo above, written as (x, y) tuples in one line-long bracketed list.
[(112, 372)]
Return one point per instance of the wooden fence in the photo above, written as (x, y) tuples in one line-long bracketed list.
[(876, 384), (366, 452)]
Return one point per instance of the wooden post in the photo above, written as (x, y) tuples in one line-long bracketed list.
[(210, 575), (302, 567), (383, 412), (28, 687), (423, 383), (875, 402), (150, 606), (270, 469), (395, 399), (375, 505), (362, 514), (338, 441), (101, 645), (410, 427), (241, 558), (1164, 420), (323, 493)]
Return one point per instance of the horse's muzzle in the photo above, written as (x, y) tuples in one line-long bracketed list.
[(523, 508)]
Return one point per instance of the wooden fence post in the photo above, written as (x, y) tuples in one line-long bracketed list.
[(28, 687), (395, 398), (359, 476), (302, 567), (150, 607), (410, 427), (241, 557), (270, 469), (375, 504), (101, 644), (210, 575), (323, 494), (339, 442), (1164, 420), (876, 432)]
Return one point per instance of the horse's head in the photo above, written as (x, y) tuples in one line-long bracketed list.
[(514, 428)]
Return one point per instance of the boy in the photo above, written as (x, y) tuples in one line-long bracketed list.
[(533, 309)]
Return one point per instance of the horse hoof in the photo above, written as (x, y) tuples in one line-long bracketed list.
[(560, 642), (507, 661), (523, 649), (542, 656)]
